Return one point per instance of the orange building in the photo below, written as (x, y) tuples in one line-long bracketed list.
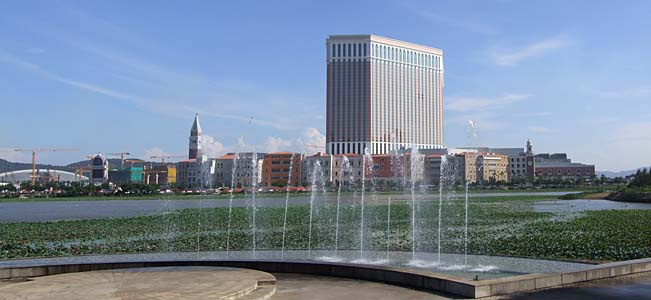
[(276, 166)]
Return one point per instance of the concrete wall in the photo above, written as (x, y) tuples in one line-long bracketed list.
[(418, 279)]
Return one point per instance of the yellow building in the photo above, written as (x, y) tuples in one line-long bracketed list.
[(485, 167), (165, 174)]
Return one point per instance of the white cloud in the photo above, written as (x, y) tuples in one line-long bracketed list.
[(539, 129), (212, 147), (466, 104), (276, 144), (458, 22), (310, 141), (155, 151), (627, 93), (513, 57), (313, 140), (35, 50), (621, 146), (156, 105), (15, 156)]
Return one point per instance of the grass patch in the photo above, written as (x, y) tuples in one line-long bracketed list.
[(495, 228)]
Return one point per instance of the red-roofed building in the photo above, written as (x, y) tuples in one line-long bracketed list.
[(276, 169)]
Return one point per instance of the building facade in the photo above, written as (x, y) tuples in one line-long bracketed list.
[(239, 169), (159, 174), (483, 167), (126, 175), (324, 172), (558, 166), (347, 169), (382, 94), (520, 161), (277, 166), (99, 169)]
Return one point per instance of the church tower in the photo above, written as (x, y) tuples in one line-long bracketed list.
[(195, 140)]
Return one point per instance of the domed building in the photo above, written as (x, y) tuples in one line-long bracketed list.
[(99, 169)]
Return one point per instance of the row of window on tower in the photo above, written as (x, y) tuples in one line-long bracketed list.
[(386, 52), (349, 50), (405, 56)]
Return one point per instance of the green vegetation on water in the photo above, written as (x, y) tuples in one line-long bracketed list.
[(498, 226), (638, 190)]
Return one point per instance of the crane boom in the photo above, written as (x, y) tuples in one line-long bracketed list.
[(35, 150)]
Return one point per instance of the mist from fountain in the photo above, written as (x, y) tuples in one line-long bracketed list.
[(388, 226), (367, 166), (345, 170), (413, 206), (236, 157), (465, 231), (473, 139), (416, 167), (443, 178), (289, 182), (254, 185), (317, 177)]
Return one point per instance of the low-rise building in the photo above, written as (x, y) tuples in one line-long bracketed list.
[(558, 166), (324, 171), (99, 169), (239, 169), (126, 175), (483, 167), (159, 174), (276, 169), (520, 162), (195, 173), (432, 168)]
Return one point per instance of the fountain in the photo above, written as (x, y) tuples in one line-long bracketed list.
[(388, 226), (345, 170), (317, 177), (444, 162), (230, 201), (254, 185), (465, 230), (367, 167), (289, 182)]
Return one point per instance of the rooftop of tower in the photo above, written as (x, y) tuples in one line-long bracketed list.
[(389, 41), (196, 128)]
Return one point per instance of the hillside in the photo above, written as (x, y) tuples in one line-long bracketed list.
[(613, 174), (7, 166)]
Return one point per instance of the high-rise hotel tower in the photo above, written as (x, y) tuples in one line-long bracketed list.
[(382, 94)]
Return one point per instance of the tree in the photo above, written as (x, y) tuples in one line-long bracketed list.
[(642, 178)]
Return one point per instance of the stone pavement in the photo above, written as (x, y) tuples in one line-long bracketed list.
[(145, 283)]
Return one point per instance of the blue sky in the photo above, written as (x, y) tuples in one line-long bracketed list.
[(111, 76)]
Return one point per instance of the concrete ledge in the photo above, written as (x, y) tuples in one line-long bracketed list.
[(418, 279)]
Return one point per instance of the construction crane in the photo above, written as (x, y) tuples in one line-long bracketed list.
[(34, 154), (121, 155), (81, 170), (315, 147), (163, 157), (132, 161)]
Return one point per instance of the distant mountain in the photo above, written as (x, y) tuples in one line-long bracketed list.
[(7, 166), (612, 174), (113, 163)]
